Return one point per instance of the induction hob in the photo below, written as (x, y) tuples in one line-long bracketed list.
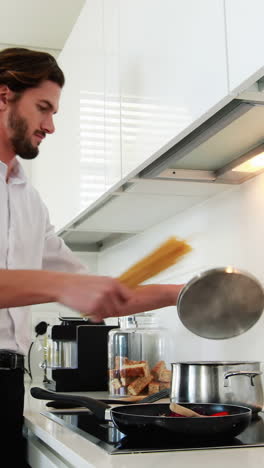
[(110, 439)]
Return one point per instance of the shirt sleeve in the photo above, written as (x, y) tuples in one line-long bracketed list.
[(57, 256)]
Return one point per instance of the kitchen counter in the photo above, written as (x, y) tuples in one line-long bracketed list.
[(61, 447)]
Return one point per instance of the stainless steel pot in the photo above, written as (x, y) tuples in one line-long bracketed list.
[(238, 383)]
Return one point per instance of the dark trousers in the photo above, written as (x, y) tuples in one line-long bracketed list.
[(12, 443)]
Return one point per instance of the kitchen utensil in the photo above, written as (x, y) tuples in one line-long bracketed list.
[(179, 409), (152, 418), (237, 383), (221, 303), (165, 393), (149, 399)]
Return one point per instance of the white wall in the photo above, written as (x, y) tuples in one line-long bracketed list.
[(228, 229)]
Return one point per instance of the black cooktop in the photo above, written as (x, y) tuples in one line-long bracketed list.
[(110, 439)]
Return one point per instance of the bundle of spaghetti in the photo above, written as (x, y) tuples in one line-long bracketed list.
[(169, 253)]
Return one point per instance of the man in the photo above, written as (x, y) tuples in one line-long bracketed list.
[(35, 265)]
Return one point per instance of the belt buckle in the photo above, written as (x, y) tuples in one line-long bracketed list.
[(13, 364)]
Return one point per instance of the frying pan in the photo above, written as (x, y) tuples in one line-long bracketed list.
[(155, 418)]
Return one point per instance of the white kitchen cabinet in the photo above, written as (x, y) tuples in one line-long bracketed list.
[(100, 162), (244, 22), (112, 154), (138, 73), (56, 171), (172, 70), (82, 159)]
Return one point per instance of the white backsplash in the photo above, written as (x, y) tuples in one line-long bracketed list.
[(227, 229)]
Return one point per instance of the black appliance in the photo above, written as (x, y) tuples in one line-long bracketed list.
[(110, 439), (76, 357)]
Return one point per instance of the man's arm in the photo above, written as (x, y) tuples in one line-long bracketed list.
[(152, 296), (58, 257), (97, 297), (88, 294)]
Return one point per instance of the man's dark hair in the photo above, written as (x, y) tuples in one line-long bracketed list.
[(21, 69)]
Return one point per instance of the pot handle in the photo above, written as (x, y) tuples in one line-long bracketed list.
[(97, 407), (249, 374)]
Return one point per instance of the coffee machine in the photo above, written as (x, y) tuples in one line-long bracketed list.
[(75, 356)]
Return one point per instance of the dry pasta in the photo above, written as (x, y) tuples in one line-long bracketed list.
[(161, 258)]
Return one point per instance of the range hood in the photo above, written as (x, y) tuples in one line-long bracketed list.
[(211, 152), (193, 170)]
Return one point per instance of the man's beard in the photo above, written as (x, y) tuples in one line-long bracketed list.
[(20, 142)]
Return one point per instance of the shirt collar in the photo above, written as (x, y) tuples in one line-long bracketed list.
[(17, 175)]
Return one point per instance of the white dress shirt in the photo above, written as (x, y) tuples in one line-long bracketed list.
[(27, 242)]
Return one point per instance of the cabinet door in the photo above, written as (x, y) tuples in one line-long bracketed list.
[(71, 170), (40, 455), (172, 70), (244, 19), (112, 94), (82, 160)]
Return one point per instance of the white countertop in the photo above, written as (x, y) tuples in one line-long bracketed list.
[(80, 452)]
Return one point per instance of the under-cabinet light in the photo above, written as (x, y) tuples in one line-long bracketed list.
[(252, 165)]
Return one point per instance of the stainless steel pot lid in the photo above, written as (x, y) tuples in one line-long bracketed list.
[(221, 303)]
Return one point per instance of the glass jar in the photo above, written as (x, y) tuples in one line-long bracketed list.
[(138, 356)]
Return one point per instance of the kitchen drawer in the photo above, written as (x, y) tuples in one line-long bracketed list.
[(41, 455)]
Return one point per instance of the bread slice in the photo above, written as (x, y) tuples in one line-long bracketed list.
[(115, 384), (139, 384), (135, 370), (164, 385), (165, 375), (153, 387), (157, 369), (125, 381), (114, 374), (121, 361)]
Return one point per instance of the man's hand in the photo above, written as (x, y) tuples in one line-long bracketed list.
[(96, 297), (99, 297)]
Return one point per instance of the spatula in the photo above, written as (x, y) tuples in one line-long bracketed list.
[(182, 410)]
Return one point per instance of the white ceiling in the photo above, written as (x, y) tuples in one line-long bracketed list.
[(37, 24)]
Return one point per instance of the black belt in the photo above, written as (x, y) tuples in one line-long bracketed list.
[(10, 360)]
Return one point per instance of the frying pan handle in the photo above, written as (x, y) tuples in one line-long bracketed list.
[(249, 374), (98, 408)]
